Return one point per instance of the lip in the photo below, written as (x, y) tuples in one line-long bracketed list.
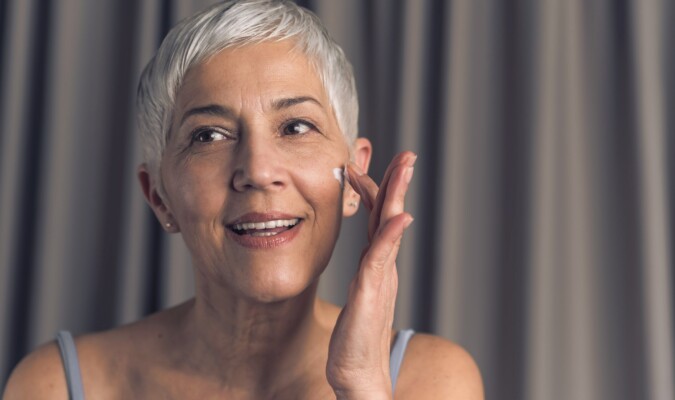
[(261, 217), (264, 242)]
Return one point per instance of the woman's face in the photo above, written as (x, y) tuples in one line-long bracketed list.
[(248, 171)]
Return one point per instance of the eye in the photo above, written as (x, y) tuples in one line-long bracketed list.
[(297, 127), (208, 135)]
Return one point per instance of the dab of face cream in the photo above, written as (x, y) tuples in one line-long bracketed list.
[(339, 174)]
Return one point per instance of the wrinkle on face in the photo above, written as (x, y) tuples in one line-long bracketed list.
[(246, 91)]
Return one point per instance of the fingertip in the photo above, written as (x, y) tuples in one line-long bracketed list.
[(408, 220), (408, 157), (396, 225), (412, 157), (388, 238), (353, 168)]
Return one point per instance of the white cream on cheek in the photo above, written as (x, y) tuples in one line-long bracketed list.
[(339, 174)]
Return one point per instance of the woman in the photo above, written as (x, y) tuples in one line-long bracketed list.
[(248, 120)]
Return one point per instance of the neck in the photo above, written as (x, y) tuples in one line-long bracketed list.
[(255, 344)]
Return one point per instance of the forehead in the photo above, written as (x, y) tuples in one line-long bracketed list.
[(257, 72)]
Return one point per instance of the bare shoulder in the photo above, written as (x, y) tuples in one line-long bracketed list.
[(435, 368), (103, 357), (39, 375)]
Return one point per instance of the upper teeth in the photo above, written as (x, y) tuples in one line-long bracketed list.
[(265, 225)]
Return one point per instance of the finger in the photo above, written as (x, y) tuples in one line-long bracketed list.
[(374, 196), (379, 281), (369, 201), (393, 201), (404, 158), (401, 159), (372, 294), (363, 185), (368, 190), (391, 197), (383, 249)]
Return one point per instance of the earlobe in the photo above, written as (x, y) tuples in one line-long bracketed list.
[(154, 199), (350, 201)]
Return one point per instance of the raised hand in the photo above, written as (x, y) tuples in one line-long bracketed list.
[(358, 355)]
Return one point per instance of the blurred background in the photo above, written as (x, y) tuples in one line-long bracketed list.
[(544, 191)]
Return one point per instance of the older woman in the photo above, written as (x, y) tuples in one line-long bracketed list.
[(248, 116)]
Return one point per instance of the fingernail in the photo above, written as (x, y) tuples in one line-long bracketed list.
[(410, 221), (345, 174), (413, 159), (408, 174)]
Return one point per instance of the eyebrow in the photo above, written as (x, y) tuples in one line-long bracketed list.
[(220, 111), (291, 101), (211, 109)]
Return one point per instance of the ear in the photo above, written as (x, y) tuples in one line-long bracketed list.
[(362, 151), (154, 199)]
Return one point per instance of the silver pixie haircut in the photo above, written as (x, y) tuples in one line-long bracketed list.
[(237, 23)]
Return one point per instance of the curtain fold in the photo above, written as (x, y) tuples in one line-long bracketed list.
[(649, 44), (543, 194)]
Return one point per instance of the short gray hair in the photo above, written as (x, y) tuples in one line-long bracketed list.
[(237, 23)]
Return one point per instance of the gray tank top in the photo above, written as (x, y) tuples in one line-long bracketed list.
[(71, 364)]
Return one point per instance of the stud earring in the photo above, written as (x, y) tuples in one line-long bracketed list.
[(168, 225)]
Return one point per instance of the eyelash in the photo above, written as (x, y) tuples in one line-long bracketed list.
[(194, 136), (310, 127), (197, 132)]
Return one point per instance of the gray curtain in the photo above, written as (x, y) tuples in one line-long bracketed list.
[(544, 192)]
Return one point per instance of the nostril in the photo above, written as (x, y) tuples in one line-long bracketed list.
[(260, 178), (258, 162)]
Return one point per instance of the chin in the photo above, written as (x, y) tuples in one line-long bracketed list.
[(279, 287)]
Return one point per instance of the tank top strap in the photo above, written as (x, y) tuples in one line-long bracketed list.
[(397, 352), (71, 365)]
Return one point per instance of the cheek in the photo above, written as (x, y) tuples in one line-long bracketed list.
[(320, 180), (199, 195)]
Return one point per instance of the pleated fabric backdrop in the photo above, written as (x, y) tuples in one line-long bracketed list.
[(544, 191)]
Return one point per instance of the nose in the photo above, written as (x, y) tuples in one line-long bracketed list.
[(259, 164)]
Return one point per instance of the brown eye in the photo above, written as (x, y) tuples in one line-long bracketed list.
[(298, 128), (208, 135)]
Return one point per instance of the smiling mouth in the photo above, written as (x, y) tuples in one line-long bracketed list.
[(264, 228)]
